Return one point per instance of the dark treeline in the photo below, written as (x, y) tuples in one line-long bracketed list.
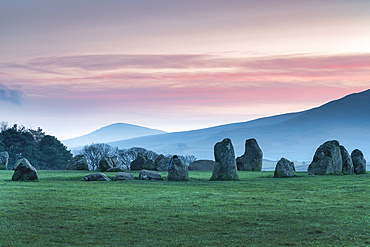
[(44, 152)]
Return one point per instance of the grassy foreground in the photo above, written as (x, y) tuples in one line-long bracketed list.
[(258, 210)]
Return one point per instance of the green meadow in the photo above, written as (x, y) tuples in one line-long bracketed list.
[(258, 210)]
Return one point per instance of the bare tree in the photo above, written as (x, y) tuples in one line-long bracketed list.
[(97, 151)]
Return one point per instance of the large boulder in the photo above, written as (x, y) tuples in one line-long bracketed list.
[(4, 157), (105, 164), (149, 175), (284, 168), (124, 176), (251, 160), (24, 171), (225, 167), (327, 160), (138, 163), (161, 163), (177, 170), (149, 165), (359, 162), (347, 164), (96, 177), (202, 165), (78, 162)]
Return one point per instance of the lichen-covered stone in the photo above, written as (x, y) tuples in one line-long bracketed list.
[(225, 167), (97, 177), (359, 162), (161, 163), (284, 168), (78, 162), (24, 171), (124, 176), (138, 163), (149, 165), (327, 160), (177, 170), (347, 164), (149, 175), (251, 160)]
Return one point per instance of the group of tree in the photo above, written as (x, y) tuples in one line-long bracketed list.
[(45, 152), (97, 151)]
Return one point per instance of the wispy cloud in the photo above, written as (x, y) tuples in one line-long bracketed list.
[(10, 95)]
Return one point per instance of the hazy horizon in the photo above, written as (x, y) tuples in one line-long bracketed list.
[(73, 67)]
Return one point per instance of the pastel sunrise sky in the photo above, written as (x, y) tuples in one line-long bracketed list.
[(71, 66)]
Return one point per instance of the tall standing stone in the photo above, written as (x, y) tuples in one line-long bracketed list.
[(4, 157), (161, 163), (359, 162), (327, 159), (225, 167), (24, 171), (138, 163), (284, 168), (251, 160), (347, 164), (177, 170)]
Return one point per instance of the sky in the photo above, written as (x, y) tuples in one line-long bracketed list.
[(71, 67)]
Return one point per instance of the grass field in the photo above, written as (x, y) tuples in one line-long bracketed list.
[(257, 210)]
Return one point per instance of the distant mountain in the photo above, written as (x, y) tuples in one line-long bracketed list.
[(295, 136), (113, 132)]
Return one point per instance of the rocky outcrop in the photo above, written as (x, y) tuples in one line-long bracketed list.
[(202, 165), (138, 163), (347, 164), (97, 177), (149, 175), (24, 171), (161, 163), (177, 170), (327, 160), (4, 157), (105, 164), (78, 162), (284, 168), (225, 167), (251, 160), (359, 162), (123, 176)]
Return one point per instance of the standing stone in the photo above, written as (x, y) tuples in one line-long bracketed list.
[(78, 162), (161, 163), (251, 160), (24, 171), (4, 157), (149, 165), (138, 163), (359, 162), (96, 177), (177, 170), (327, 160), (202, 165), (347, 164), (225, 167), (105, 164), (123, 176), (284, 168), (149, 175)]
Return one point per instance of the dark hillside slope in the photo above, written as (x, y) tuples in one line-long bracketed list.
[(294, 136)]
